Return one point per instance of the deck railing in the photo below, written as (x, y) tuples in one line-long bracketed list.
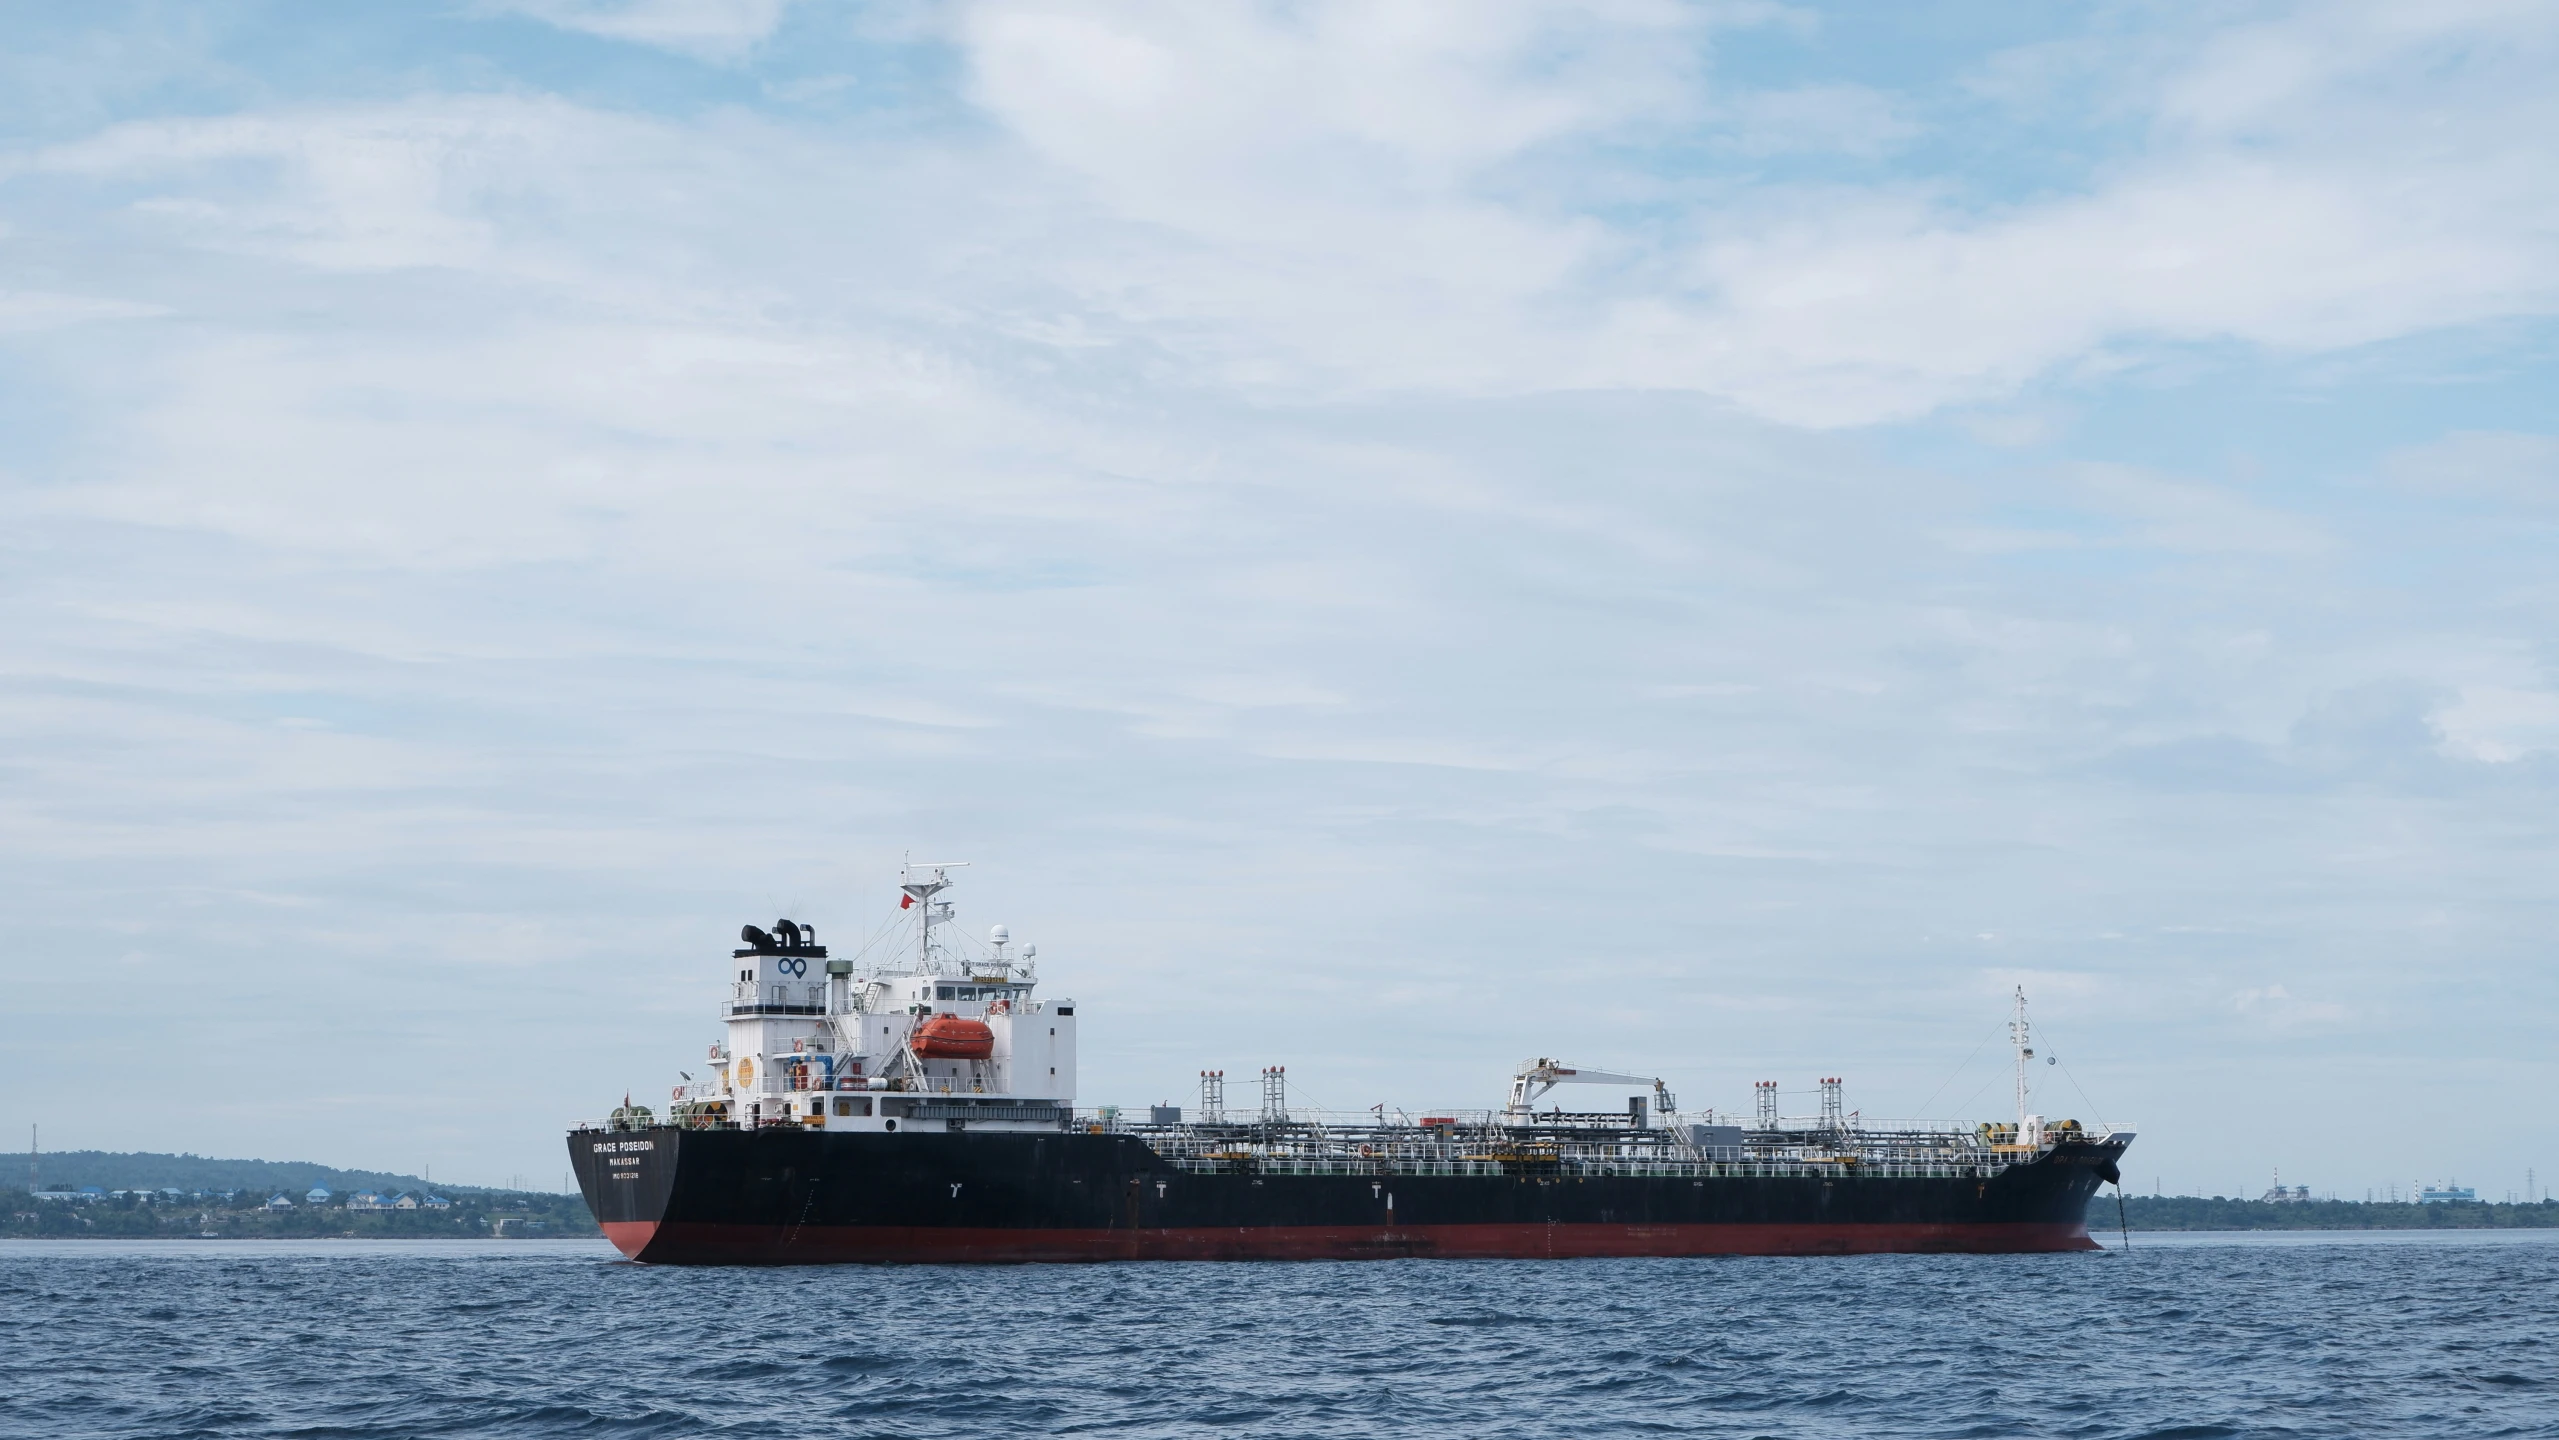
[(1478, 1143), (1577, 1167), (1482, 1142)]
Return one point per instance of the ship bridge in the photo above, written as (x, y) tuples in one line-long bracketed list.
[(923, 1028)]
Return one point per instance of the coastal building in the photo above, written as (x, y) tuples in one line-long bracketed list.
[(316, 1195), (279, 1201), (2446, 1194), (435, 1202), (367, 1200)]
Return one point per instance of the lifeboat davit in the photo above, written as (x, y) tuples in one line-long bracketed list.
[(952, 1037)]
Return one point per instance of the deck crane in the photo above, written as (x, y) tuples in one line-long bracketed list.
[(1535, 1077)]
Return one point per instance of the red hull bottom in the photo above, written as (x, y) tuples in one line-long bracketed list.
[(685, 1243)]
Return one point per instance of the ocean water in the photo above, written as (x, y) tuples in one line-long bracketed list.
[(2187, 1336)]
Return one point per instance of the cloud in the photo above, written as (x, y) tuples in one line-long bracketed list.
[(26, 310), (1838, 119), (2279, 1009), (374, 188), (722, 31), (1336, 200), (2507, 467), (1356, 168), (2169, 514), (1277, 106), (2499, 724)]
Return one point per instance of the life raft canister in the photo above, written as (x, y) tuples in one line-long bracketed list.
[(952, 1037)]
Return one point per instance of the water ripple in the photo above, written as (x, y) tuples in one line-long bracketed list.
[(2181, 1342)]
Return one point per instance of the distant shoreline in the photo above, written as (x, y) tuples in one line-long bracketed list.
[(179, 1197), (2162, 1214), (120, 1204)]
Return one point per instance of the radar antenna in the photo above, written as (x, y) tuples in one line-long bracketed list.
[(920, 891)]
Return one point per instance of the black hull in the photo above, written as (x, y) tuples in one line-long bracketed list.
[(788, 1196)]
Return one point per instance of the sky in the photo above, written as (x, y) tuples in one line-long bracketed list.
[(1716, 540)]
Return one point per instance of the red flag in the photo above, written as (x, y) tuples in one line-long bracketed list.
[(906, 902)]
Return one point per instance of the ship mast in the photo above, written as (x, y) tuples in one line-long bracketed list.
[(920, 893), (2021, 1036)]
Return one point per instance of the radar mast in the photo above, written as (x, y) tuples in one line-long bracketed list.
[(919, 893)]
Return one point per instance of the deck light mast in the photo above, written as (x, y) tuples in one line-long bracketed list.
[(2022, 1036)]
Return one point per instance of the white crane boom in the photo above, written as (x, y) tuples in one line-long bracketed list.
[(1535, 1077)]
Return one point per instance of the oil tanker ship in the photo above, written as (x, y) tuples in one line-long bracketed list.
[(919, 1106)]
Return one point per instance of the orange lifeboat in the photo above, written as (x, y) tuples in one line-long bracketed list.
[(952, 1037)]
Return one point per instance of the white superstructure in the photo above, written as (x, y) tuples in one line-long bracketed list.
[(940, 1032)]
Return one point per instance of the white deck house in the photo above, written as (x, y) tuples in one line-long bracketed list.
[(948, 1035)]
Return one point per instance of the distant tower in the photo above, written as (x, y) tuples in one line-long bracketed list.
[(1831, 1108), (1275, 1094), (1213, 1097), (1765, 1092)]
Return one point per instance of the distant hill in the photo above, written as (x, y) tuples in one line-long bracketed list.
[(116, 1170)]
